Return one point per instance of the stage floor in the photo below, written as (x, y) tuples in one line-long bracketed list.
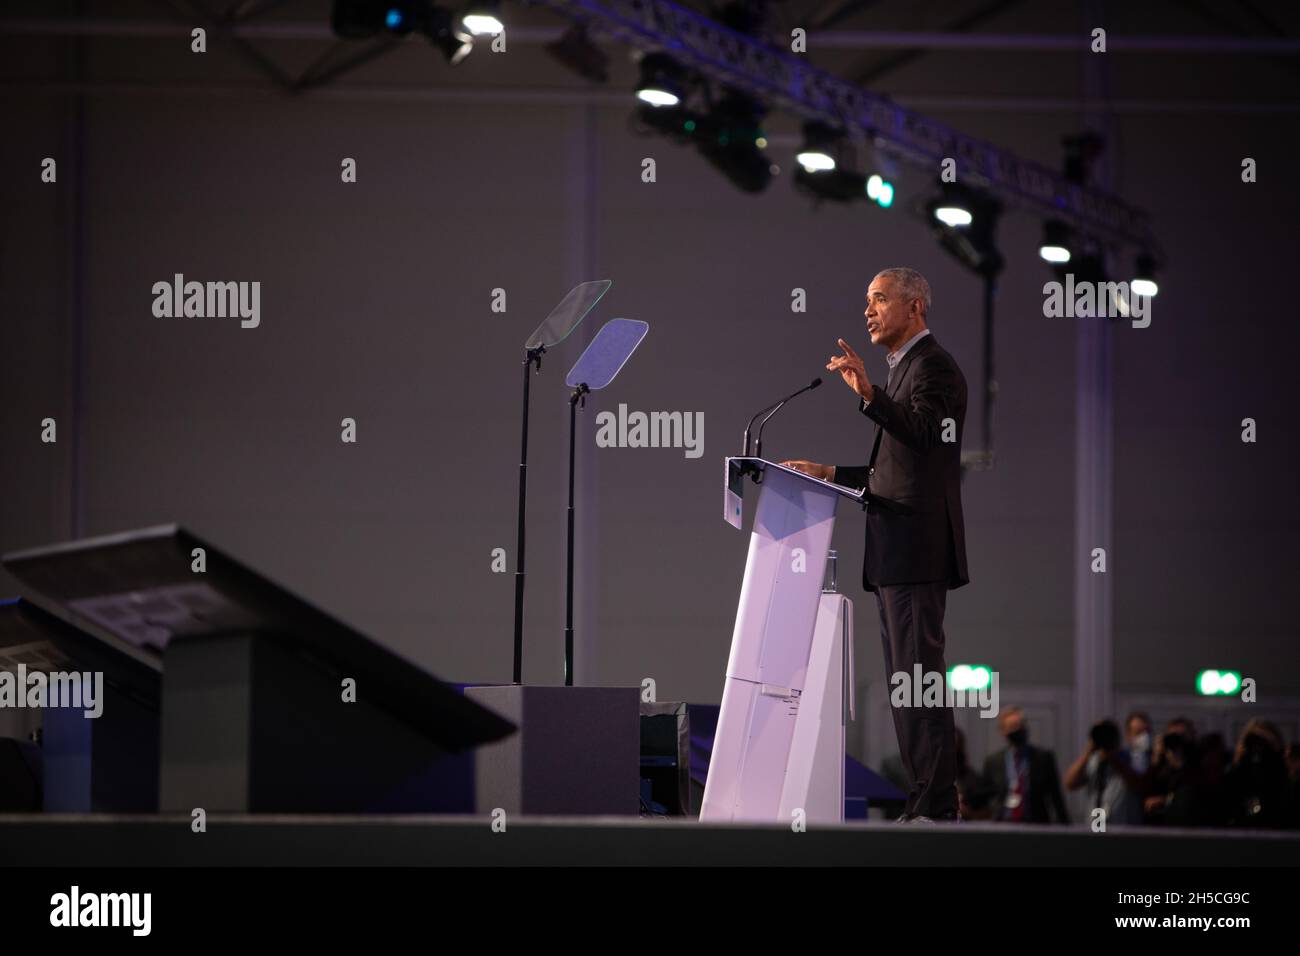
[(285, 840)]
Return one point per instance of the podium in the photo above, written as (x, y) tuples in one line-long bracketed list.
[(779, 746)]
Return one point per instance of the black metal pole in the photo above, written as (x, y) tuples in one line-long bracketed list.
[(574, 399), (990, 384), (534, 355)]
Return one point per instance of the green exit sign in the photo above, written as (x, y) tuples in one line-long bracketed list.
[(1218, 683), (969, 677)]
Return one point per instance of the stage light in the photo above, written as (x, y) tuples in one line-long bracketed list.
[(658, 97), (1212, 683), (820, 145), (964, 220), (451, 41), (1144, 279), (815, 161), (953, 216), (661, 81), (954, 206), (362, 19), (880, 190), (841, 185), (731, 138), (482, 18), (576, 51), (728, 135), (675, 122), (1056, 238)]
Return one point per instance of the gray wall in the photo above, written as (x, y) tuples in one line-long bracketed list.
[(375, 303)]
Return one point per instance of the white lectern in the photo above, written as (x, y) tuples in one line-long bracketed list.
[(779, 745)]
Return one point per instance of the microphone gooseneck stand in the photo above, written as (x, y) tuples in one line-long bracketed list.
[(770, 411)]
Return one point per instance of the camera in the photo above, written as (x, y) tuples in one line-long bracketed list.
[(1105, 735)]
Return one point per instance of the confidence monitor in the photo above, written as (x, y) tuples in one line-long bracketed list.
[(268, 703)]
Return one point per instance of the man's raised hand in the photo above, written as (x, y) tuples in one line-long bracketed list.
[(851, 369)]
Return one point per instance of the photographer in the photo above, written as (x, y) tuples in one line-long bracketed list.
[(1170, 763), (1105, 769), (1257, 781)]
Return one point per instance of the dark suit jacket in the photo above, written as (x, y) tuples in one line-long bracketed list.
[(1044, 786), (912, 464)]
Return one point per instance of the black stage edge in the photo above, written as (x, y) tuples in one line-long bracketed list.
[(379, 908), (166, 840)]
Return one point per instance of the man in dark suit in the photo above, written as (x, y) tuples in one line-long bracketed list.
[(915, 554), (1026, 787)]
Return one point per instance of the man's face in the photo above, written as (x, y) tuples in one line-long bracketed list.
[(1011, 722), (888, 318)]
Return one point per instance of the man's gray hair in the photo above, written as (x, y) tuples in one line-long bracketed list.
[(911, 284)]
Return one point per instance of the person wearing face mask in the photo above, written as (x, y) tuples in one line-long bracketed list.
[(1138, 730), (1023, 778), (1104, 769)]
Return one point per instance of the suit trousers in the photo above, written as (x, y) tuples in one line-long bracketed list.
[(911, 629)]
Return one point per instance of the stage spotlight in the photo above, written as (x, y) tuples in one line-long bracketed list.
[(821, 144), (1056, 242), (576, 51), (880, 190), (661, 81), (673, 121), (884, 174), (482, 18), (451, 41), (1144, 279), (955, 205), (360, 19), (954, 216), (965, 223), (731, 138), (841, 185), (397, 21)]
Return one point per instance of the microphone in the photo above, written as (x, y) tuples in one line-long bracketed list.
[(770, 411)]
